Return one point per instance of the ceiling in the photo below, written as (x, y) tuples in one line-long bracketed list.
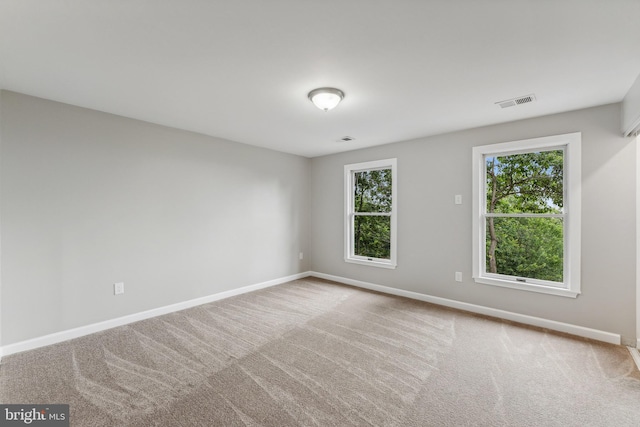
[(241, 70)]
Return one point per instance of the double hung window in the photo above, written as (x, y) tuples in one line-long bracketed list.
[(527, 214), (370, 220)]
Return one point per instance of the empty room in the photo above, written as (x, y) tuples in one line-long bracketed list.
[(319, 213)]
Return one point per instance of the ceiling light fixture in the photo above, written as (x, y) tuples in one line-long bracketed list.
[(326, 98)]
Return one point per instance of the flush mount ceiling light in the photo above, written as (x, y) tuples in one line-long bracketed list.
[(326, 98)]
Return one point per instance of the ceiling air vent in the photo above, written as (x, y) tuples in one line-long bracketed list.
[(346, 139), (517, 101)]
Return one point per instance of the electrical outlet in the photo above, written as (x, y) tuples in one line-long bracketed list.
[(301, 255), (458, 199), (458, 276), (118, 288)]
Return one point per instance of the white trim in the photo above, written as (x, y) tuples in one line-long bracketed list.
[(580, 331), (81, 331), (349, 170), (371, 262), (125, 320), (571, 144), (635, 355), (552, 290)]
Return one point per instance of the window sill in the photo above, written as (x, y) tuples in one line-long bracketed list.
[(551, 290), (371, 263)]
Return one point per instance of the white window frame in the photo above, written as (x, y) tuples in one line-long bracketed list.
[(571, 144), (349, 174)]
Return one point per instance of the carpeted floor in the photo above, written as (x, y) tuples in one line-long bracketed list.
[(312, 352)]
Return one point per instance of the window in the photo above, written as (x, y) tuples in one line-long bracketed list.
[(526, 222), (370, 220)]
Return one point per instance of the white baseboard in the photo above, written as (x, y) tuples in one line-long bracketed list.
[(120, 321), (125, 320), (508, 315)]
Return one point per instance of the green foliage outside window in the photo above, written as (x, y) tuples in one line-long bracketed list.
[(372, 236), (527, 247), (372, 195)]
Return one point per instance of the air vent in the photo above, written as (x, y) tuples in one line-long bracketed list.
[(346, 139), (516, 101)]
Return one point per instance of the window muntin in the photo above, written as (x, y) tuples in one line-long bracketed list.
[(370, 220), (526, 203)]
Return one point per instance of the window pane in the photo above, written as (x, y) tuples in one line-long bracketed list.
[(526, 247), (372, 236), (372, 191), (529, 182)]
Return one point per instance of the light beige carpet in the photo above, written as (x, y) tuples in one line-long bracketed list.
[(312, 352)]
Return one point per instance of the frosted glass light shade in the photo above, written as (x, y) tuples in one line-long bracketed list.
[(326, 98)]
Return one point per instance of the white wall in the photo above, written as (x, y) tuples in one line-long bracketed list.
[(434, 234), (90, 199)]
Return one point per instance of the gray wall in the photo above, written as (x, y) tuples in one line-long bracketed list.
[(1, 95), (631, 108), (434, 234), (90, 199)]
